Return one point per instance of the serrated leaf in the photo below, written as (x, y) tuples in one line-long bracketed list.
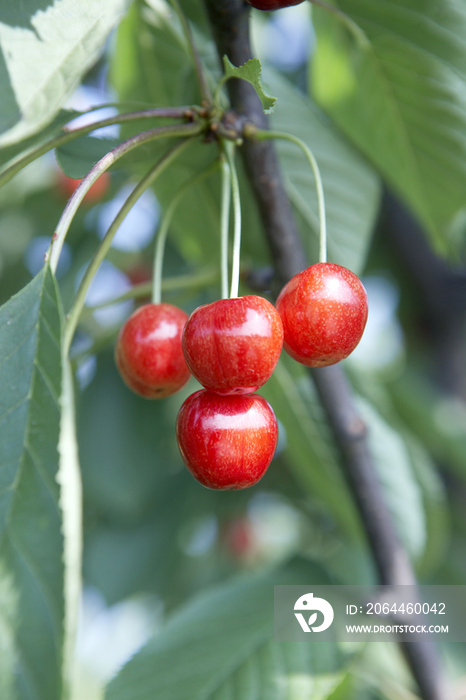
[(77, 157), (395, 82), (351, 187), (251, 72), (45, 49), (220, 645), (31, 541)]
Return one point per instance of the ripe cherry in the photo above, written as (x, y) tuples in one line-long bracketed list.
[(148, 351), (324, 312), (67, 185), (227, 442), (273, 4), (232, 345)]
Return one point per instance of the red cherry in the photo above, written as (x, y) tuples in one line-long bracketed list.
[(227, 442), (273, 4), (67, 185), (148, 351), (233, 345), (324, 312)]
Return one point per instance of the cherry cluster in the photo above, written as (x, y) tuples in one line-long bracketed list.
[(226, 433)]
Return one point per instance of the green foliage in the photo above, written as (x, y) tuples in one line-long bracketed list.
[(352, 188), (251, 72), (34, 35), (77, 157), (392, 76), (31, 541), (220, 645), (388, 78)]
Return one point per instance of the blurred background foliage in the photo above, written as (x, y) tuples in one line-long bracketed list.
[(379, 98)]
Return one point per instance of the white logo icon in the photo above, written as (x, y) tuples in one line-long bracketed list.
[(308, 602)]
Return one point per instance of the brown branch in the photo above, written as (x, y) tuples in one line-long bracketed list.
[(230, 25)]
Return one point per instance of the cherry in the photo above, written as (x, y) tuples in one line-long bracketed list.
[(148, 351), (324, 312), (227, 442), (232, 345), (67, 185), (273, 4)]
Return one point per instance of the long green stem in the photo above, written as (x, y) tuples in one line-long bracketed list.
[(157, 284), (261, 135), (225, 225), (104, 247), (235, 268), (183, 130), (69, 135), (200, 74)]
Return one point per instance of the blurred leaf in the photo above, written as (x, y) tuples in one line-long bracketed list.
[(434, 497), (401, 489), (435, 502), (251, 72), (221, 645), (438, 420), (152, 65), (77, 157), (64, 116), (352, 190), (309, 446), (393, 78), (138, 494), (31, 542), (45, 49)]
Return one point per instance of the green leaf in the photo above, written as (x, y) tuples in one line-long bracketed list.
[(402, 491), (45, 49), (31, 541), (220, 645), (309, 447), (77, 157), (8, 153), (351, 187), (251, 72), (393, 77)]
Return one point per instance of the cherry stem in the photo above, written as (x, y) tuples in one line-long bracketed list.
[(157, 284), (147, 180), (71, 134), (235, 268), (201, 79), (183, 130), (225, 224), (261, 135)]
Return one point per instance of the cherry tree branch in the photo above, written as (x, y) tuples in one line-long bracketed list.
[(230, 25)]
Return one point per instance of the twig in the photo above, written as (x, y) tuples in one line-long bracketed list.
[(229, 20)]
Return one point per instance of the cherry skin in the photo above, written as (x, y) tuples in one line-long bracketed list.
[(67, 185), (273, 4), (324, 313), (227, 442), (148, 351), (232, 345)]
